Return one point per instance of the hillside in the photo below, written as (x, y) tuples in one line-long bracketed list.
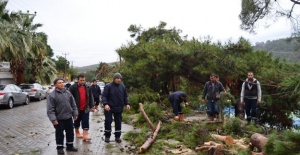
[(91, 67), (281, 48), (87, 68)]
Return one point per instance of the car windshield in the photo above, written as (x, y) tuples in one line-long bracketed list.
[(26, 86), (2, 87), (101, 84)]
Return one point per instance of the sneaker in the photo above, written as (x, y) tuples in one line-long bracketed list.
[(106, 140), (72, 149), (118, 140), (60, 151)]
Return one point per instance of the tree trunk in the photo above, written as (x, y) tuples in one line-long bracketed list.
[(150, 140), (258, 140), (227, 139), (146, 117), (20, 77)]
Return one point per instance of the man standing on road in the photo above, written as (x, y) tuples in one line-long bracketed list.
[(85, 103), (61, 108), (211, 92), (114, 98), (176, 98), (96, 93), (251, 95)]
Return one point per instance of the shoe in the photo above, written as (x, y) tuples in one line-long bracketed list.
[(106, 140), (72, 149), (118, 140), (60, 151)]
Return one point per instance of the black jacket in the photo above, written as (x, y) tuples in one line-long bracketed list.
[(115, 95), (89, 96), (96, 91)]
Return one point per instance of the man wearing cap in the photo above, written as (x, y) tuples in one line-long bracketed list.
[(114, 98)]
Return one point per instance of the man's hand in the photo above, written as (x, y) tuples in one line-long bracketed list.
[(186, 104), (128, 107), (75, 118), (258, 101), (55, 123), (106, 107), (92, 109), (203, 101)]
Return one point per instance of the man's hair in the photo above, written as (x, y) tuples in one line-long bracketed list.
[(55, 81), (94, 80), (214, 75), (183, 95), (80, 76)]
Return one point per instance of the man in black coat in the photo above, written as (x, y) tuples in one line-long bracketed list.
[(114, 98), (96, 93)]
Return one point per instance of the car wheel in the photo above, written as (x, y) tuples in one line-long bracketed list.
[(40, 98), (26, 101), (10, 103)]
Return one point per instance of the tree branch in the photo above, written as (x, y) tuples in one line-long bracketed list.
[(296, 2)]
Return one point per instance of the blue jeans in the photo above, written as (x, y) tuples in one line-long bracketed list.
[(83, 118), (212, 108)]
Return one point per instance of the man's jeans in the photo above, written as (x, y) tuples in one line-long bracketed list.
[(212, 108)]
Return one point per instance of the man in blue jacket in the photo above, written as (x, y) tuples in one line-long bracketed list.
[(176, 98), (114, 98)]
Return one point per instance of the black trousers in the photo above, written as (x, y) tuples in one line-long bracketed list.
[(97, 100), (67, 126), (108, 121)]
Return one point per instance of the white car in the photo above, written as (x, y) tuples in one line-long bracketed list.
[(101, 85)]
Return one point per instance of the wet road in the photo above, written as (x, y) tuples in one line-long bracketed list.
[(27, 130)]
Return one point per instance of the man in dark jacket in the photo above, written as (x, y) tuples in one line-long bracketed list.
[(96, 93), (114, 98), (85, 103), (176, 98), (211, 92), (61, 107), (251, 95)]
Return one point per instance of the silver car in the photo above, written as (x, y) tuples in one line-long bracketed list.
[(11, 94), (35, 91)]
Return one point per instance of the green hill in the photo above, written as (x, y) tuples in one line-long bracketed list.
[(281, 48)]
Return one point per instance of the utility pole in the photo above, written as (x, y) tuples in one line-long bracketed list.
[(65, 64)]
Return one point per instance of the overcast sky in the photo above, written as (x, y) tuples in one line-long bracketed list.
[(90, 31)]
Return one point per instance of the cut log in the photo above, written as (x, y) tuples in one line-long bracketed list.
[(228, 140), (146, 117), (211, 148), (150, 140), (257, 153), (258, 140)]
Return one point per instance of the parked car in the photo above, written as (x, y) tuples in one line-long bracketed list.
[(101, 85), (35, 91), (48, 89), (11, 94)]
